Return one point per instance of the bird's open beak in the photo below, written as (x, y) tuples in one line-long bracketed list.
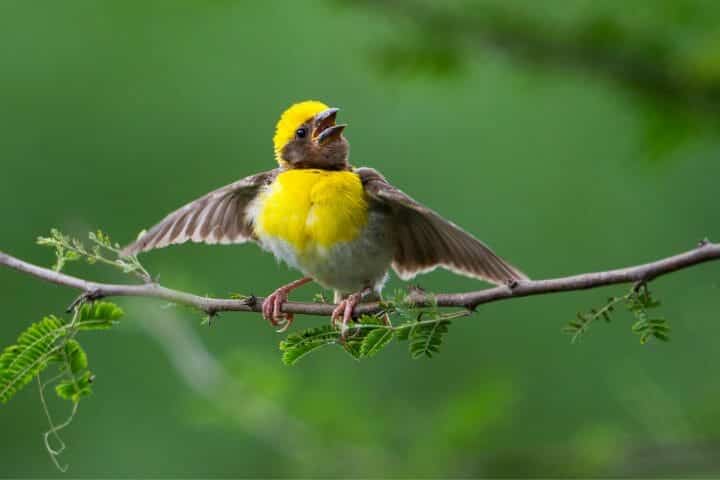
[(330, 132), (325, 127)]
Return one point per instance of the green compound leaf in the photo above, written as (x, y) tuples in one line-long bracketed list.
[(76, 356), (637, 301), (657, 327), (35, 347), (352, 345), (402, 332), (297, 345), (98, 316), (76, 388), (425, 339), (579, 327), (375, 341), (50, 340), (424, 327), (101, 250)]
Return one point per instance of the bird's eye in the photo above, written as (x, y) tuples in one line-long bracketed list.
[(301, 132)]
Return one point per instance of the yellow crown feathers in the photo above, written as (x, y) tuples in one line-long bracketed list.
[(290, 120)]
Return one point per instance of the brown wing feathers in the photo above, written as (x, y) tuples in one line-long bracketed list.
[(425, 240), (218, 217)]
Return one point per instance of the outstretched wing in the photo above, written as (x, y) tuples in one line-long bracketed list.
[(424, 240), (218, 217)]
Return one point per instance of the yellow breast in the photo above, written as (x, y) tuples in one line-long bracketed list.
[(311, 208)]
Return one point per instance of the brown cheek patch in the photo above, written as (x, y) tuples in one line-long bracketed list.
[(292, 152)]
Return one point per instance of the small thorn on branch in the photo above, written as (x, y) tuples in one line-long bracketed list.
[(640, 285), (250, 301), (704, 242)]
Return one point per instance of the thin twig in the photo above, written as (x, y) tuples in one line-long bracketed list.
[(644, 273), (53, 431)]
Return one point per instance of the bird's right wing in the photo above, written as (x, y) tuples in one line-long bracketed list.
[(218, 217)]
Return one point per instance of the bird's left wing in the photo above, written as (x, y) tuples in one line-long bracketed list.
[(218, 217), (424, 240)]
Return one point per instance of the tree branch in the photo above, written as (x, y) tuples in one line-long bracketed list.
[(705, 252)]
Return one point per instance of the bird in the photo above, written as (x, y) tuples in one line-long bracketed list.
[(341, 226)]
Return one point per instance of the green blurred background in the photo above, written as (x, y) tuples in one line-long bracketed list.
[(114, 113)]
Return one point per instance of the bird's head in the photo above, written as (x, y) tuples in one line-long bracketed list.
[(306, 136)]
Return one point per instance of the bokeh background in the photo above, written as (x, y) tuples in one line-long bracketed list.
[(570, 135)]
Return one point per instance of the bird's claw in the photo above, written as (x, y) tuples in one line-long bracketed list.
[(343, 313), (272, 309)]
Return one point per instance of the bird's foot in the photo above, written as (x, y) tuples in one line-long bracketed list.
[(272, 306), (272, 309), (343, 313)]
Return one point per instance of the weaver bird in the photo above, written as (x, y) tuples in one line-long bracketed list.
[(341, 226)]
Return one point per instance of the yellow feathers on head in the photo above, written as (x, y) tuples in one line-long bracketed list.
[(290, 120)]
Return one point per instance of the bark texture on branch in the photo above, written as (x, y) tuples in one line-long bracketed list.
[(705, 252)]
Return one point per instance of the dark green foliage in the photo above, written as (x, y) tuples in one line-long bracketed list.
[(423, 326), (580, 326), (402, 334), (367, 336), (98, 316), (426, 338), (364, 338), (431, 57), (375, 341), (76, 384), (20, 362), (297, 345), (51, 340), (76, 388), (645, 326), (675, 85), (75, 356), (637, 301)]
